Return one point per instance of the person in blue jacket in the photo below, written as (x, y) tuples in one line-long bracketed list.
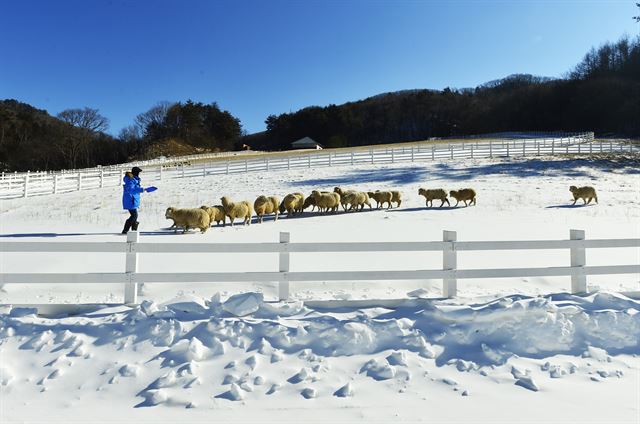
[(131, 198)]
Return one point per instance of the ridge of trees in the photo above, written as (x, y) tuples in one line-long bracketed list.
[(601, 93)]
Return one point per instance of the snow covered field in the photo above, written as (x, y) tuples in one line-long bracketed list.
[(505, 350)]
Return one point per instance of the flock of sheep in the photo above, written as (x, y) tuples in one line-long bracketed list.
[(325, 201)]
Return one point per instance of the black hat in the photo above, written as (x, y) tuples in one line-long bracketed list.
[(135, 170)]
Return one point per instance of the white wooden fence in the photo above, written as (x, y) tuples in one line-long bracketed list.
[(449, 274), (25, 185)]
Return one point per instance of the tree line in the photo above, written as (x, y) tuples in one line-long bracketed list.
[(31, 139), (601, 94)]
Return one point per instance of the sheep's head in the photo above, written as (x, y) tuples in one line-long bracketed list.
[(453, 193), (168, 213), (371, 193), (225, 200), (422, 192), (206, 208), (337, 190), (573, 189)]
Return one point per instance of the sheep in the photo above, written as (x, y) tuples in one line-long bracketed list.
[(311, 201), (235, 210), (188, 218), (585, 193), (381, 197), (326, 201), (355, 200), (464, 194), (397, 197), (432, 194), (216, 214), (293, 203), (264, 205)]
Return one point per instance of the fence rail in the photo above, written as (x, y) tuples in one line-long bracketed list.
[(449, 274), (26, 185)]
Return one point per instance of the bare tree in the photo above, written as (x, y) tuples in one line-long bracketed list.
[(154, 117), (87, 118), (75, 144)]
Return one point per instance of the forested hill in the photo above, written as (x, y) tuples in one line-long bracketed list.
[(601, 94)]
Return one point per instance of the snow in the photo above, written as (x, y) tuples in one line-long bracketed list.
[(338, 352)]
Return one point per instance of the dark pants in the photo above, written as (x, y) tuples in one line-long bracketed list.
[(132, 221)]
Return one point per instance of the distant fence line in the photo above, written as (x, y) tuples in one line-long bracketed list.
[(448, 247), (27, 185)]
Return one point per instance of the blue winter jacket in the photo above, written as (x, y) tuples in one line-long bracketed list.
[(131, 191)]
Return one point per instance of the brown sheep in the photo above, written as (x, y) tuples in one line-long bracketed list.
[(585, 193), (188, 218), (464, 194), (235, 210), (432, 194), (381, 197), (326, 201), (397, 197), (216, 214), (292, 203), (266, 205)]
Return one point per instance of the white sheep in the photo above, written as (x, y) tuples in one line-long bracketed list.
[(188, 218), (264, 205), (235, 210), (431, 194), (381, 197), (326, 201), (292, 203), (355, 200), (216, 214)]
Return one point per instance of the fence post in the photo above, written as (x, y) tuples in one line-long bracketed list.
[(411, 153), (524, 148), (309, 161), (491, 149), (433, 152), (578, 259), (553, 146), (351, 158), (393, 157), (182, 168), (131, 267), (267, 163), (161, 172), (283, 266), (449, 262), (471, 150), (507, 149), (246, 165), (289, 161), (451, 148), (79, 181), (26, 185), (101, 178), (55, 184)]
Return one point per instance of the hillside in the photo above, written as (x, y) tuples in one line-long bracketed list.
[(518, 347)]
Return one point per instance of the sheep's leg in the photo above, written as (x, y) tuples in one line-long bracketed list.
[(596, 199), (457, 201), (575, 199), (584, 199), (474, 201)]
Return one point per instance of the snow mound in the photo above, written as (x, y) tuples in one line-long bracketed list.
[(243, 304)]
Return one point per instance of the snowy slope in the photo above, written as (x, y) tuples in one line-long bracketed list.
[(505, 350)]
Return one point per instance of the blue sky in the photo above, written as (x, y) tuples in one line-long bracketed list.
[(256, 58)]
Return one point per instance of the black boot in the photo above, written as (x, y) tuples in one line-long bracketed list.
[(134, 227), (127, 227)]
